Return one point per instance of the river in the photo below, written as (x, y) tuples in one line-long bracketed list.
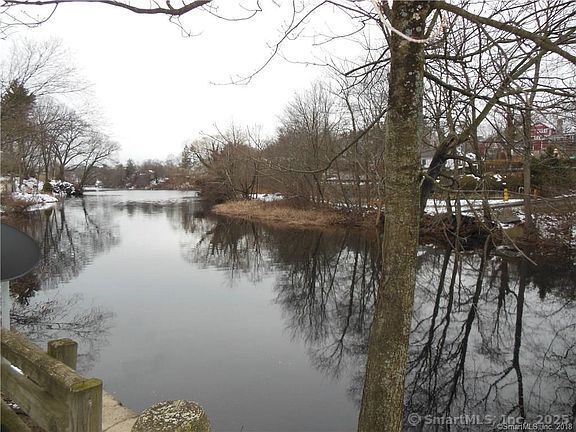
[(267, 328)]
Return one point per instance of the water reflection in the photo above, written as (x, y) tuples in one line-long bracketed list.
[(57, 316), (491, 336), (70, 236), (69, 241), (485, 343)]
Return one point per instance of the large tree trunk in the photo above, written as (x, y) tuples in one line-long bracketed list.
[(527, 173), (383, 396), (61, 171), (527, 166)]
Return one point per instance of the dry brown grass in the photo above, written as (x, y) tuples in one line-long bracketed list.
[(281, 213), (13, 205)]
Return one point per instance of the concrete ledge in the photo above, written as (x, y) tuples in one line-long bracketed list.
[(115, 416)]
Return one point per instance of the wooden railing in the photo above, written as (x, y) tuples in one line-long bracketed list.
[(46, 386)]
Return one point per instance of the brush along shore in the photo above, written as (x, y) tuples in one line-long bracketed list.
[(554, 225), (286, 214)]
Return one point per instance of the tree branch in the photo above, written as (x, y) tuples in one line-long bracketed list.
[(542, 41), (151, 11)]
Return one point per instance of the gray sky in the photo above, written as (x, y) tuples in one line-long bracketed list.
[(153, 86)]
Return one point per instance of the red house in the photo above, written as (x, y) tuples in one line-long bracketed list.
[(542, 137)]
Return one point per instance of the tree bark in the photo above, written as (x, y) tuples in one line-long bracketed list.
[(383, 396), (527, 165)]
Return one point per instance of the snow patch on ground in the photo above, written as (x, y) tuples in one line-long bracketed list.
[(62, 188), (547, 225), (34, 198), (29, 185), (521, 216), (42, 206), (36, 201), (435, 206), (268, 197)]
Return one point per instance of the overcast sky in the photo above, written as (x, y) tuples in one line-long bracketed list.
[(154, 87)]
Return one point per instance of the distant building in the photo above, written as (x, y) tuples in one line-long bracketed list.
[(542, 137), (492, 148)]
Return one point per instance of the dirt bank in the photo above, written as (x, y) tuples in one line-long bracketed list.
[(434, 229), (284, 214), (554, 225)]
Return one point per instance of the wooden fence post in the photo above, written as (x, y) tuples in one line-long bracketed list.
[(85, 404), (64, 350), (56, 397), (88, 398)]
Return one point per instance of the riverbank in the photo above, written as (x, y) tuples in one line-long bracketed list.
[(282, 213), (553, 219), (285, 214)]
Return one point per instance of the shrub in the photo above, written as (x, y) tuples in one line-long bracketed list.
[(13, 205), (493, 181), (514, 181), (469, 182), (552, 174)]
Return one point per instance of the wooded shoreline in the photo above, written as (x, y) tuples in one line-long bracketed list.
[(283, 214), (436, 229)]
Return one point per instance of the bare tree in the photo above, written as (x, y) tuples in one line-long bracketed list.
[(48, 122), (226, 160), (98, 150), (71, 143), (43, 68), (407, 27)]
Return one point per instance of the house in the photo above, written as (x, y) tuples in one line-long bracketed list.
[(542, 137)]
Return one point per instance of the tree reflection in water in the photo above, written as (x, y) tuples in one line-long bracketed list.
[(490, 345), (68, 243), (491, 335)]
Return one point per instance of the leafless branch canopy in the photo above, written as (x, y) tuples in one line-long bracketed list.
[(153, 8)]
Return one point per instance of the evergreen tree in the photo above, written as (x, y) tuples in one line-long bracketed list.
[(186, 158), (130, 170), (17, 128)]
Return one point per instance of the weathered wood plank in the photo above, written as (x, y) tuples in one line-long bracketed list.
[(64, 350), (46, 411), (52, 375), (85, 407), (10, 420), (49, 382)]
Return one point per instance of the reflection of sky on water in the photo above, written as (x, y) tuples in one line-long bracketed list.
[(267, 328)]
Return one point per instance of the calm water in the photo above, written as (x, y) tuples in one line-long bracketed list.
[(267, 328)]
